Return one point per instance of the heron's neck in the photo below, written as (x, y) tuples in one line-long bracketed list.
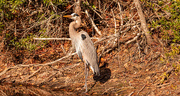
[(73, 26)]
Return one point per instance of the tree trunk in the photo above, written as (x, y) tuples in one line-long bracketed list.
[(77, 8), (143, 22)]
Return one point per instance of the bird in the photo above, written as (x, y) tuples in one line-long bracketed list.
[(84, 46)]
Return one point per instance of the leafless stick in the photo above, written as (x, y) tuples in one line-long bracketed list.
[(92, 22), (112, 44), (3, 94), (64, 51), (138, 48), (107, 44), (130, 93), (52, 38), (49, 63), (107, 37), (34, 92), (114, 21), (163, 85), (99, 5), (120, 15), (109, 5), (58, 38), (33, 74), (68, 8), (141, 89), (37, 24), (93, 9), (134, 39), (53, 6), (48, 78), (107, 90)]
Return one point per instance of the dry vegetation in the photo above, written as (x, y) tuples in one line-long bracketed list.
[(131, 63)]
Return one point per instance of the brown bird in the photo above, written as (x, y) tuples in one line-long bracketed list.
[(84, 46)]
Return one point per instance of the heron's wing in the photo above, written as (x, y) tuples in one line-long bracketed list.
[(80, 55), (86, 47), (86, 51), (78, 48)]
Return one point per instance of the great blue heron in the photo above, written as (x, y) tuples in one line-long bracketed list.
[(84, 46)]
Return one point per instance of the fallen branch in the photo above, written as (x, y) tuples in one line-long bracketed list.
[(52, 38), (130, 93), (3, 94), (58, 38), (32, 74), (134, 39), (46, 64), (92, 22), (141, 89), (114, 21)]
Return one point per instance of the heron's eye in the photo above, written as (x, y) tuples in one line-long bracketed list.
[(74, 15)]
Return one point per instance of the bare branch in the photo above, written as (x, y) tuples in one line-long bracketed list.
[(141, 89), (114, 21), (2, 93), (58, 38), (52, 38), (49, 63), (32, 74), (92, 22), (134, 39)]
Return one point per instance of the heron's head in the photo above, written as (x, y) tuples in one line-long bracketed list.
[(73, 16)]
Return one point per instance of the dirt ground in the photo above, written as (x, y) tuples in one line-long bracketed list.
[(124, 72)]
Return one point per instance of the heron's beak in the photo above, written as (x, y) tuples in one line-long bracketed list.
[(67, 16)]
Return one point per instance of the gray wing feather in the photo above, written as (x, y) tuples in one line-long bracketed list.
[(80, 55), (87, 52)]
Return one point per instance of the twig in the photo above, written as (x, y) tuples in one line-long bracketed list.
[(107, 37), (33, 74), (130, 93), (38, 23), (52, 38), (137, 42), (107, 44), (3, 94), (141, 89), (120, 14), (48, 78), (93, 9), (92, 22), (107, 90), (53, 6), (34, 92), (114, 21), (108, 6), (121, 26), (62, 47), (134, 39), (163, 85), (58, 38), (68, 8)]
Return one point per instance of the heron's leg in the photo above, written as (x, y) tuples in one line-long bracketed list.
[(86, 75)]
